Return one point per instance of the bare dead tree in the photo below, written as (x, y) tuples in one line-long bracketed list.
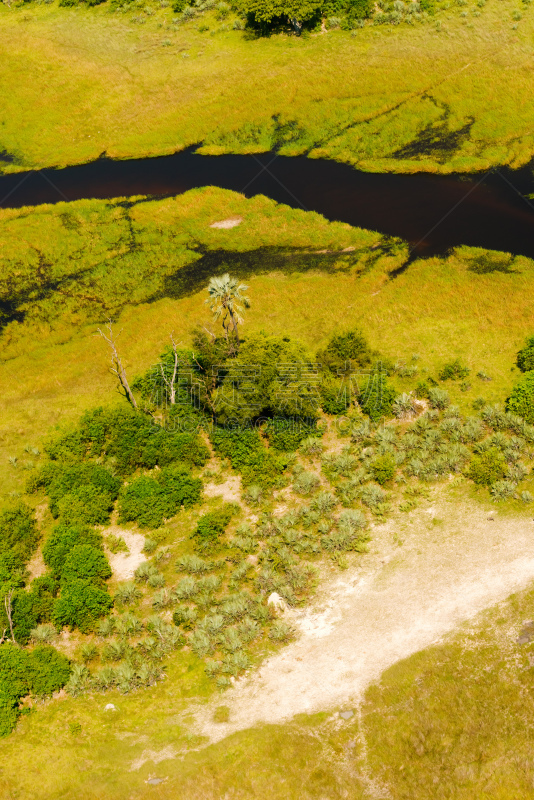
[(170, 383), (9, 614), (123, 387), (3, 638)]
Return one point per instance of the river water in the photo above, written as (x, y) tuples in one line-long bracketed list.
[(431, 212)]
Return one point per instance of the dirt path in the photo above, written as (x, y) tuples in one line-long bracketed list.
[(454, 562)]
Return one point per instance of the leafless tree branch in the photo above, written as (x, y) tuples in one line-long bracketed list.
[(116, 365)]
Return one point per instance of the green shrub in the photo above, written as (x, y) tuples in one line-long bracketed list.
[(335, 395), (130, 438), (80, 605), (64, 480), (377, 397), (287, 434), (14, 674), (454, 370), (487, 468), (49, 670), (525, 356), (18, 532), (87, 505), (521, 400), (85, 563), (212, 526), (9, 714), (61, 541), (150, 500), (348, 350), (248, 455), (383, 468)]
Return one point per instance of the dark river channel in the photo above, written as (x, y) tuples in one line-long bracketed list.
[(432, 212)]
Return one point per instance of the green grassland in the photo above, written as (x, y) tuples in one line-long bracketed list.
[(452, 92)]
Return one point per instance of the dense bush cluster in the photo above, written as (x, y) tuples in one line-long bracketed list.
[(40, 672), (525, 356), (18, 533), (129, 440), (249, 456), (148, 500), (521, 400), (75, 557)]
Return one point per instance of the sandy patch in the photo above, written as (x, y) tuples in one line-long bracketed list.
[(153, 755), (393, 602), (231, 222), (229, 490), (125, 564), (37, 566)]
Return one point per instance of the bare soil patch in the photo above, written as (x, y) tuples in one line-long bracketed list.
[(425, 575), (125, 564)]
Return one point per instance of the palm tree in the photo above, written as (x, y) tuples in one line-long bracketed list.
[(226, 300)]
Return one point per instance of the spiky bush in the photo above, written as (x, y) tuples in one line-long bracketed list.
[(78, 681), (235, 607), (127, 594), (526, 497), (212, 668), (156, 581), (281, 631), (240, 572), (516, 472), (502, 490), (128, 625), (244, 543), (324, 503), (248, 629), (162, 555), (254, 495), (106, 627), (43, 633), (311, 447), (193, 564), (306, 483), (88, 652), (113, 651), (231, 641), (144, 571), (371, 495), (186, 588), (361, 430), (235, 663), (201, 643), (104, 679), (162, 599), (213, 623), (438, 398), (404, 405)]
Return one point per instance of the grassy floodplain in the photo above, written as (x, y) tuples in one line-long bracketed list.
[(452, 93)]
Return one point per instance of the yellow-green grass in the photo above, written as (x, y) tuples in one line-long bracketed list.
[(78, 82), (453, 721), (54, 365)]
